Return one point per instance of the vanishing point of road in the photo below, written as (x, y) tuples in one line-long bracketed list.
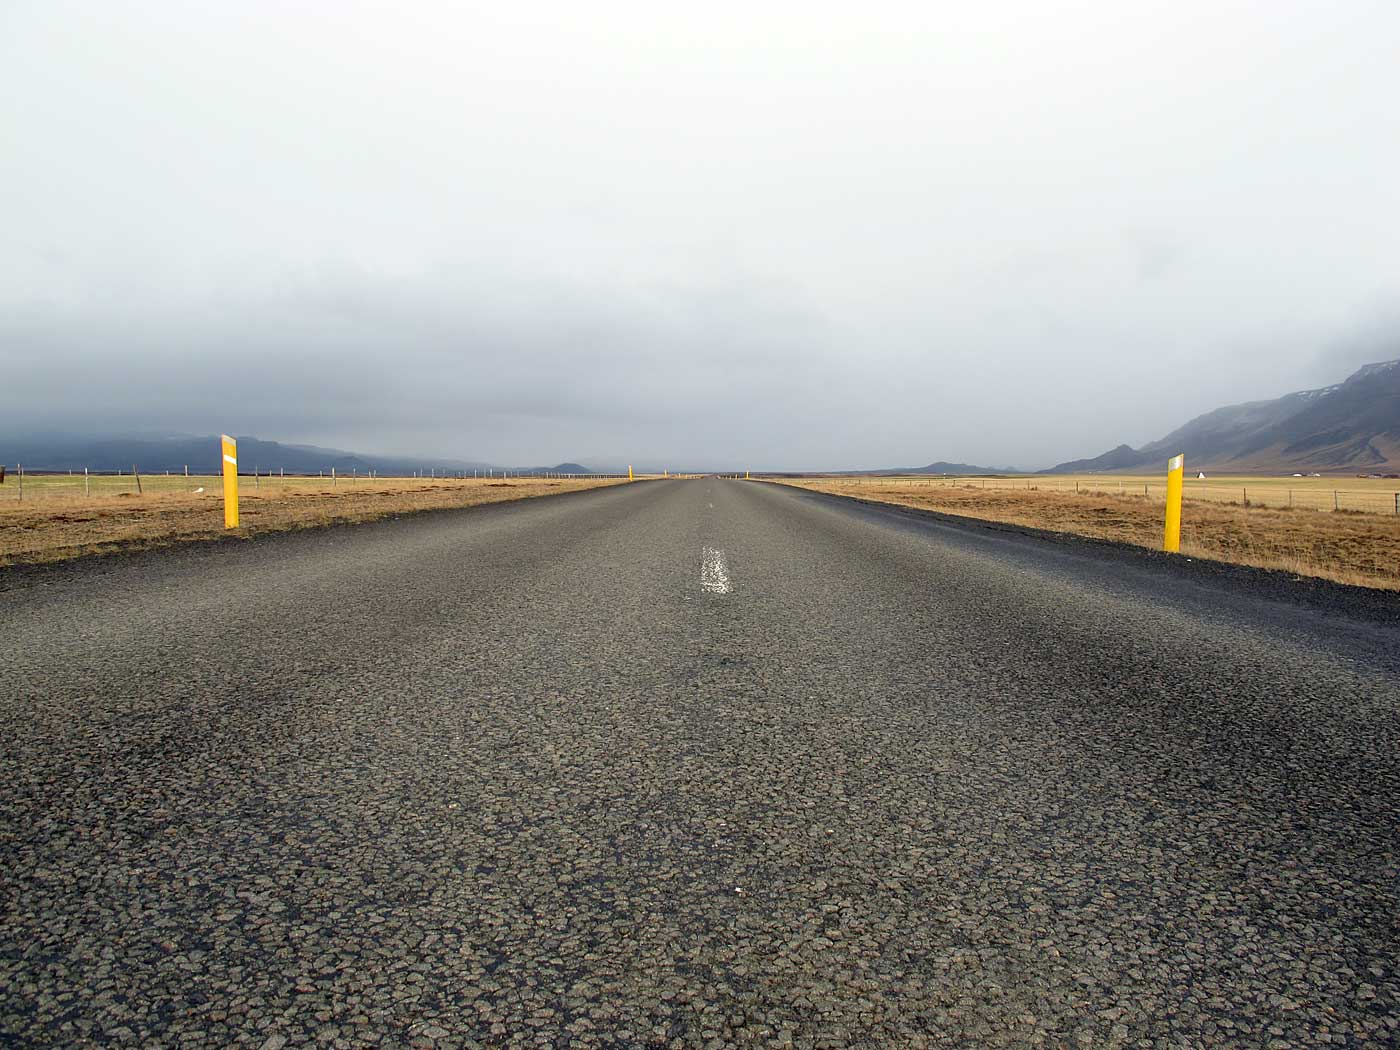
[(694, 763)]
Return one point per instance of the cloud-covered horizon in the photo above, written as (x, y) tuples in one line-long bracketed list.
[(763, 236)]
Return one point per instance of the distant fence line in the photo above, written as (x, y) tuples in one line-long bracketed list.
[(1270, 493), (81, 482)]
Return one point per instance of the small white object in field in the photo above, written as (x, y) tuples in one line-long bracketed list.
[(199, 490)]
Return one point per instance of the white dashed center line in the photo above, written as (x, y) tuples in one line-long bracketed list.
[(714, 577)]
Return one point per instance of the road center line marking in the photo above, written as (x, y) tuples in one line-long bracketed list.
[(714, 577)]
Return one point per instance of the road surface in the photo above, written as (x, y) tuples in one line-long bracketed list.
[(695, 764)]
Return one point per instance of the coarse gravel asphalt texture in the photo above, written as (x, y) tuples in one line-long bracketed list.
[(696, 763)]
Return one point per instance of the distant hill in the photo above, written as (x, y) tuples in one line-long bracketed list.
[(937, 468), (202, 456), (1353, 426), (561, 468), (960, 468)]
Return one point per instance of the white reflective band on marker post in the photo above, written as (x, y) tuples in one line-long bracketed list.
[(230, 459), (1176, 462)]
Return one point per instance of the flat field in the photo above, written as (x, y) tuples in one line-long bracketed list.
[(1357, 543), (1372, 495), (57, 520)]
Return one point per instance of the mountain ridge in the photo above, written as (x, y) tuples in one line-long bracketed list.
[(1349, 426), (202, 454), (944, 467)]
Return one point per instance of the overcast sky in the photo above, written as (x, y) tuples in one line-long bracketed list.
[(722, 234)]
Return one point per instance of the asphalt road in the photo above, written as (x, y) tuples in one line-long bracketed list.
[(694, 764)]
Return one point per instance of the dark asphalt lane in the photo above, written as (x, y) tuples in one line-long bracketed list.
[(693, 763)]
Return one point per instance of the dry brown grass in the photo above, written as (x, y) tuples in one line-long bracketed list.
[(1353, 548), (42, 531)]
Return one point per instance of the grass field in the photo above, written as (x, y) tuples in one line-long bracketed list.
[(1369, 495), (1358, 543), (75, 486), (56, 520)]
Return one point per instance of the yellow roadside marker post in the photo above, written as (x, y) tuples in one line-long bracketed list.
[(629, 472), (1171, 537), (746, 476), (230, 482)]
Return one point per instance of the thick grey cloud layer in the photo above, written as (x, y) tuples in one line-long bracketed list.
[(736, 235)]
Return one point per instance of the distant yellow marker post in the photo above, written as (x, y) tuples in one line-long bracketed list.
[(1171, 537), (230, 482), (746, 476), (629, 472)]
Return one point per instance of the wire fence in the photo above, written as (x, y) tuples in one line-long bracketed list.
[(1315, 494), (20, 484)]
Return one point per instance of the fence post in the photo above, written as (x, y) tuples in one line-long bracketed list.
[(137, 475), (1334, 500), (1245, 493), (20, 467), (85, 481)]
